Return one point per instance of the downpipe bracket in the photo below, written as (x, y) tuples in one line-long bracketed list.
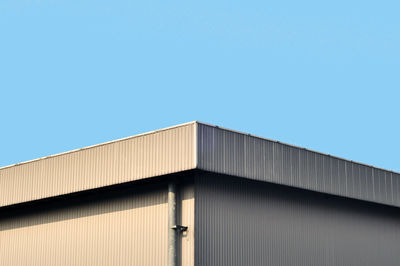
[(180, 228)]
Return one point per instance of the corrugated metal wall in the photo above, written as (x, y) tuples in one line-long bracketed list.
[(152, 154), (130, 229), (242, 222), (189, 146), (227, 152)]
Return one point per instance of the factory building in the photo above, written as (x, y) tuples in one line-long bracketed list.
[(198, 194)]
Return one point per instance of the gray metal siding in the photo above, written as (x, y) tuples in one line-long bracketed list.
[(228, 152), (242, 222), (130, 229), (143, 156)]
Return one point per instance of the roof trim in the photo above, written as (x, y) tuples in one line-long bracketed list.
[(195, 145), (98, 145), (160, 152), (297, 147), (244, 155)]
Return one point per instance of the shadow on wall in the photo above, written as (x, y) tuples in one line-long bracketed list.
[(89, 204)]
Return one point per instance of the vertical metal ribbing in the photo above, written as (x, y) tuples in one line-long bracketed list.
[(172, 233)]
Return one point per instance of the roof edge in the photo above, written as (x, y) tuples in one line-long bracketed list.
[(297, 147), (98, 145)]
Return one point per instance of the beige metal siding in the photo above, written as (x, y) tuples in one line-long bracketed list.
[(152, 154), (128, 230), (228, 152), (243, 222)]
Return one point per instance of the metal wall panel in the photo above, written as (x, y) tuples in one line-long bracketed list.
[(243, 222), (128, 229), (233, 153), (190, 146), (124, 231), (147, 155)]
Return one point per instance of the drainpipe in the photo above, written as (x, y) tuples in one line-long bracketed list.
[(172, 232), (174, 229)]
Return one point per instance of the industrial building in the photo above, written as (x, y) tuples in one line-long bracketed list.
[(198, 194)]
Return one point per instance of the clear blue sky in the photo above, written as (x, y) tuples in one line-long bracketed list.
[(324, 75)]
